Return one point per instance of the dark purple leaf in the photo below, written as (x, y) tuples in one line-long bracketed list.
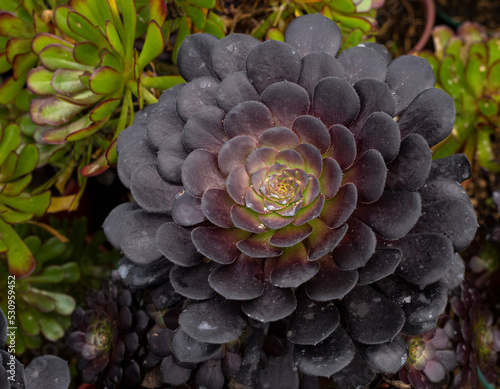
[(286, 101), (455, 167), (131, 157), (240, 280), (45, 372), (213, 321), (372, 318), (379, 48), (385, 357), (290, 158), (204, 130), (172, 373), (111, 225), (454, 277), (139, 276), (246, 219), (159, 342), (407, 76), (250, 118), (357, 374), (273, 61), (188, 349), (218, 244), (312, 158), (279, 138), (343, 146), (279, 372), (330, 178), (192, 282), (216, 206), (312, 33), (380, 132), (186, 210), (174, 242), (200, 172), (236, 88), (237, 184), (338, 209), (362, 62), (210, 375), (235, 152), (381, 264), (293, 268), (193, 57), (315, 67), (195, 95), (258, 246), (260, 158), (323, 239), (310, 212), (312, 130), (274, 304), (290, 235), (229, 55), (275, 221), (132, 134), (442, 189), (171, 157)]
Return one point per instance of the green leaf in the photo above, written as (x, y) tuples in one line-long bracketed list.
[(346, 6), (50, 275), (203, 3), (80, 25), (485, 154), (55, 111), (106, 80), (36, 204), (129, 13), (488, 107), (448, 77), (51, 328), (15, 188), (275, 33), (23, 63), (114, 39), (10, 89), (28, 322), (28, 159), (441, 36), (16, 47), (213, 17), (212, 28), (42, 302), (13, 27), (86, 53), (4, 64), (162, 83), (58, 135), (39, 81), (55, 57), (197, 16), (51, 249), (34, 243), (475, 74), (83, 98), (71, 272), (11, 216), (157, 11), (493, 84), (493, 50), (112, 60), (182, 32), (104, 109), (65, 305), (153, 45), (8, 168), (10, 141), (40, 41), (352, 22), (67, 82), (353, 39), (85, 132)]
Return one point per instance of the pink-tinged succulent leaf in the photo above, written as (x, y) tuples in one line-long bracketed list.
[(188, 349), (331, 178), (273, 62), (138, 236), (64, 134), (309, 212), (84, 98), (408, 76), (314, 33), (212, 321), (23, 63), (335, 352), (393, 215), (39, 81), (86, 53), (380, 265), (42, 40), (286, 101), (157, 11), (249, 118), (106, 80), (56, 56), (186, 210), (356, 247), (204, 89), (104, 109), (323, 239), (389, 356), (55, 112), (343, 146), (335, 101), (99, 166), (67, 81), (241, 280), (235, 152), (338, 209), (216, 206), (375, 96), (114, 38), (200, 172), (330, 283), (274, 304), (315, 67), (237, 184), (13, 27), (368, 174), (236, 88), (290, 235), (431, 114), (279, 138), (204, 130), (312, 322), (260, 159), (380, 132), (359, 63), (193, 57), (83, 27), (230, 53), (386, 318), (175, 243), (258, 246), (153, 44), (293, 267), (218, 244), (150, 191), (192, 282), (17, 47), (246, 219), (11, 88)]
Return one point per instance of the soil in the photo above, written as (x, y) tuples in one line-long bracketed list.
[(486, 12)]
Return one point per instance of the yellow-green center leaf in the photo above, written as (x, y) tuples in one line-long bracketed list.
[(106, 80)]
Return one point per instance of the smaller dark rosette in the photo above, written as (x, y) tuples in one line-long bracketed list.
[(44, 372), (431, 357), (286, 184), (108, 335)]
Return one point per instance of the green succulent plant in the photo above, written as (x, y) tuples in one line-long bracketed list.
[(467, 66), (46, 298), (17, 205), (356, 18)]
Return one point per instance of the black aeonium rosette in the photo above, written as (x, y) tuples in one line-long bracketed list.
[(283, 183)]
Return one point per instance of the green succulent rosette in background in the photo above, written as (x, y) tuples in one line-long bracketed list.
[(17, 205), (467, 66), (356, 18)]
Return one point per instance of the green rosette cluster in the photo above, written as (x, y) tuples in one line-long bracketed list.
[(467, 66)]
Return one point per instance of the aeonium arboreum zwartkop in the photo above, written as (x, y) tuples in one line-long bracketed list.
[(284, 185)]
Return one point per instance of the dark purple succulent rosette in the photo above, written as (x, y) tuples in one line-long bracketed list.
[(283, 182)]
